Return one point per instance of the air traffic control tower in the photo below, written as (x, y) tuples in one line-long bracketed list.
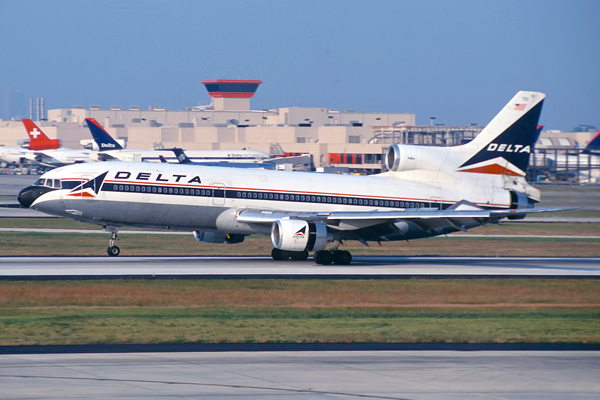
[(231, 94)]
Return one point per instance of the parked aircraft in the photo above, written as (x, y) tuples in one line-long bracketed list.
[(111, 150), (25, 154), (182, 158), (593, 147), (562, 159), (428, 191)]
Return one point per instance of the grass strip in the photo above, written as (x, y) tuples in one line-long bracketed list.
[(298, 293), (271, 311), (293, 325)]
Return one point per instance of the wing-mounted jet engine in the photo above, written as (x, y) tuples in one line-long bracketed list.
[(294, 238)]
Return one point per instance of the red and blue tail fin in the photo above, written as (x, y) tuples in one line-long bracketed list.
[(594, 144), (101, 137)]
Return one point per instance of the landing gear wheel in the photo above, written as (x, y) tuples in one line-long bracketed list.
[(280, 255), (299, 255), (342, 257), (113, 251), (323, 257)]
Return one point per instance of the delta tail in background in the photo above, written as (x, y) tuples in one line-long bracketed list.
[(428, 191), (110, 149)]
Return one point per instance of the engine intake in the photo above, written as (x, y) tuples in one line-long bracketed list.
[(402, 158), (298, 235)]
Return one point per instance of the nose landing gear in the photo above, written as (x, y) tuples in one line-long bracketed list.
[(113, 250)]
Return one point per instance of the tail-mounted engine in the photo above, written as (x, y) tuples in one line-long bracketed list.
[(298, 235), (519, 200), (402, 158), (90, 144), (408, 158)]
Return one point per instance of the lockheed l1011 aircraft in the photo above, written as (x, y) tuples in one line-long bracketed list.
[(428, 191), (110, 149)]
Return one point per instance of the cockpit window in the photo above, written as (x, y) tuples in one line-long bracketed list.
[(53, 183)]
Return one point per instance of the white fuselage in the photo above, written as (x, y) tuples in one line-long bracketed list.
[(14, 155), (60, 157), (196, 197)]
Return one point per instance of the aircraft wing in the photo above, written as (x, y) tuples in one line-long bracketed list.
[(425, 218), (45, 159), (106, 157)]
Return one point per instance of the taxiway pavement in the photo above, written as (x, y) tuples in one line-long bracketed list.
[(223, 267), (421, 375)]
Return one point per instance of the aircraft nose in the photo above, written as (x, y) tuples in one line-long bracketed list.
[(31, 193)]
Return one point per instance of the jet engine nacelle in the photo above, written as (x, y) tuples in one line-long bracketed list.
[(409, 158), (218, 237), (519, 200), (402, 158), (90, 144), (299, 235), (37, 146)]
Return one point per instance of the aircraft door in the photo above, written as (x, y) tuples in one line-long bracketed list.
[(218, 197), (435, 202)]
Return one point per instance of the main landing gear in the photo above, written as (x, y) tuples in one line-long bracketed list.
[(326, 257), (323, 257), (283, 255), (113, 250)]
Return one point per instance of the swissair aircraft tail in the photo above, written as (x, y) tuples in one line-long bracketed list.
[(39, 140)]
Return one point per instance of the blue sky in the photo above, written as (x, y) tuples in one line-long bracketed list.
[(459, 61)]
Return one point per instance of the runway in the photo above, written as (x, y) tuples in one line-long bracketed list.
[(425, 375), (258, 267)]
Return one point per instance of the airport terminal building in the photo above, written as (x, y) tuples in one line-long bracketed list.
[(347, 141)]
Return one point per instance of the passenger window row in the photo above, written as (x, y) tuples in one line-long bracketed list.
[(242, 194)]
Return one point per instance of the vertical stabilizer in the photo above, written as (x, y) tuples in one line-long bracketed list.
[(594, 144), (505, 144), (101, 137), (38, 139)]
